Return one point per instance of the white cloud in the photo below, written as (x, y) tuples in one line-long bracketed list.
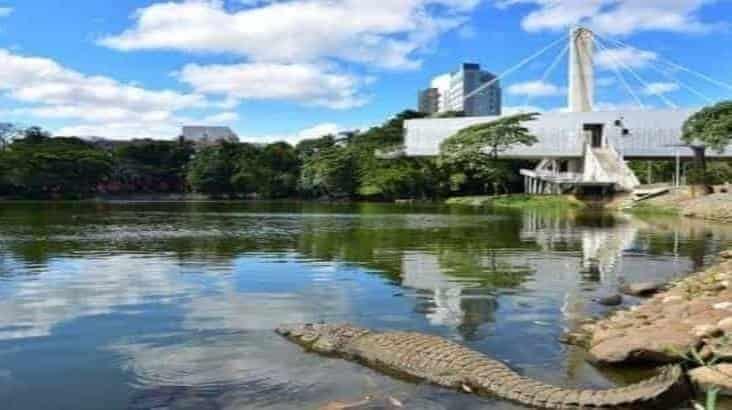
[(6, 11), (536, 89), (222, 118), (100, 105), (660, 88), (316, 131), (624, 57), (384, 33), (309, 84), (615, 17)]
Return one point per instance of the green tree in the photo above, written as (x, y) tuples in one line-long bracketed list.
[(709, 128), (152, 166), (328, 169), (472, 155), (39, 166), (248, 170), (8, 132), (402, 178), (280, 169), (211, 170)]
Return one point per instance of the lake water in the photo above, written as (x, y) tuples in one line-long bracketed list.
[(173, 305)]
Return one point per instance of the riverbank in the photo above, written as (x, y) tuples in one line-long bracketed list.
[(688, 320), (519, 201), (716, 207)]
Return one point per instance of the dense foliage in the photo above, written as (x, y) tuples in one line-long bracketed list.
[(711, 127), (38, 166), (363, 165), (470, 158), (150, 166)]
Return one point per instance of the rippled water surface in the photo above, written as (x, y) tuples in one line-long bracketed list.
[(172, 305)]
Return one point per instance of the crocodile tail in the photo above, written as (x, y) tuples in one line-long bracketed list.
[(669, 385)]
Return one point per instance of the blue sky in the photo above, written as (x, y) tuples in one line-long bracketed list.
[(289, 69)]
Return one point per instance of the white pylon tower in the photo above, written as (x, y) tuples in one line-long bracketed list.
[(581, 70)]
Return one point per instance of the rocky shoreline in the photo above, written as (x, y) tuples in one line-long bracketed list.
[(689, 320)]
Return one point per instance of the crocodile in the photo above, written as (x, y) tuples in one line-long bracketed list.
[(432, 359)]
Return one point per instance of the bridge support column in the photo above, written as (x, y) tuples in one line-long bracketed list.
[(581, 70)]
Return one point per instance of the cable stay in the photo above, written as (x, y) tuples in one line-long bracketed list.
[(675, 65), (681, 84), (619, 74), (516, 67), (640, 79), (549, 71)]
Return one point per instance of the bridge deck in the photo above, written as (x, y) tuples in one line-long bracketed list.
[(653, 134)]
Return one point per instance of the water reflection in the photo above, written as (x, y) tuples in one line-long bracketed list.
[(165, 305)]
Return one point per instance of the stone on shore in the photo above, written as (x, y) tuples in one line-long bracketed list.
[(642, 289), (718, 376), (694, 313), (610, 300)]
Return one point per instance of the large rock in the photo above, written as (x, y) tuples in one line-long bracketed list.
[(647, 345), (719, 376), (610, 300), (694, 313), (642, 289)]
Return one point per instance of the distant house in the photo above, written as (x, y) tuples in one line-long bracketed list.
[(202, 135)]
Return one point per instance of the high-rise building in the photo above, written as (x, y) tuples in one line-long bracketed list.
[(457, 92), (429, 101), (462, 96)]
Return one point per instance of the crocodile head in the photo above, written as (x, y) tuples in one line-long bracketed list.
[(321, 338)]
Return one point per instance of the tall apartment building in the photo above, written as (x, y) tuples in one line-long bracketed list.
[(454, 92), (429, 101)]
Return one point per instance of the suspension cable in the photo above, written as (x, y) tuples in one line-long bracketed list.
[(656, 67), (640, 79), (549, 70), (677, 66), (516, 67), (620, 76)]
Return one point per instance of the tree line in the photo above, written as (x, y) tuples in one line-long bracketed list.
[(348, 166), (34, 165)]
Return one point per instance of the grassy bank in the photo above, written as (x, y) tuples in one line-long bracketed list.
[(647, 208), (519, 201)]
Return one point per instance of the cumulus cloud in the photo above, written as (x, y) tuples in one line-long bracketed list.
[(293, 50), (316, 131), (101, 105), (660, 88), (624, 57), (615, 17), (309, 84), (382, 33), (222, 118), (536, 89)]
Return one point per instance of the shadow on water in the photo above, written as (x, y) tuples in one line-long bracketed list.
[(146, 305)]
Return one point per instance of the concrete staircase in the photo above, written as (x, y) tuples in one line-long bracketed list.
[(615, 169)]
